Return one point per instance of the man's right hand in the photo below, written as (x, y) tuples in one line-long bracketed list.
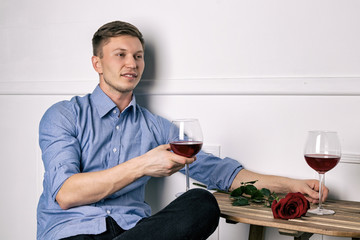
[(161, 162)]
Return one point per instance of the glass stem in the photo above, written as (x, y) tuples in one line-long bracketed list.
[(321, 183), (187, 177)]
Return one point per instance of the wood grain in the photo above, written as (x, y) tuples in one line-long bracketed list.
[(344, 223)]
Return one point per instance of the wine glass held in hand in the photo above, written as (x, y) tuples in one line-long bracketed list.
[(186, 140), (322, 153)]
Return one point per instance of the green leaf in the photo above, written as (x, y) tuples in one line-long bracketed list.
[(199, 185), (240, 202), (247, 193), (266, 192), (237, 192), (250, 189), (257, 200), (247, 183), (221, 191), (257, 195)]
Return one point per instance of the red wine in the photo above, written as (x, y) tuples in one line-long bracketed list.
[(185, 148), (322, 162)]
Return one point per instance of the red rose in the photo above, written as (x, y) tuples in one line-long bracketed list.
[(294, 205)]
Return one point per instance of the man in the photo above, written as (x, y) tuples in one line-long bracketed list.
[(100, 150)]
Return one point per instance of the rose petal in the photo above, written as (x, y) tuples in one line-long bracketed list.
[(294, 205)]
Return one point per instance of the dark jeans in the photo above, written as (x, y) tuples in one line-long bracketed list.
[(192, 216)]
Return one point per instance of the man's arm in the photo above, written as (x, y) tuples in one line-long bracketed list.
[(278, 184), (90, 187)]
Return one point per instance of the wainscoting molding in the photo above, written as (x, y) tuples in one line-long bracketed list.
[(312, 86), (350, 158), (337, 86)]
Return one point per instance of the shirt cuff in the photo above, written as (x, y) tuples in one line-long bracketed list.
[(224, 174)]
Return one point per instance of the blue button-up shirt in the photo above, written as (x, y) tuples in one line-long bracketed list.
[(89, 134)]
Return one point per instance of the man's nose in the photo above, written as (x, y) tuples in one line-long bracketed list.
[(130, 62)]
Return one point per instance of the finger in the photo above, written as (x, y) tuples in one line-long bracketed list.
[(175, 167), (178, 168), (324, 190), (182, 160), (311, 191), (311, 200), (313, 195), (189, 160), (325, 193), (167, 147)]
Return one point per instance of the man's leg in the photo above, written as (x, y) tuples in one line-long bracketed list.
[(194, 215)]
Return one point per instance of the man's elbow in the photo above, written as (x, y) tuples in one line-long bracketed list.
[(63, 201)]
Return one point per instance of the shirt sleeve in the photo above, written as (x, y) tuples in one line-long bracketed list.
[(59, 145), (215, 172)]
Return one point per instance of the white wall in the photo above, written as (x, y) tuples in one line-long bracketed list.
[(258, 75)]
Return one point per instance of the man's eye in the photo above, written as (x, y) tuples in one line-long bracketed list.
[(139, 56), (120, 54)]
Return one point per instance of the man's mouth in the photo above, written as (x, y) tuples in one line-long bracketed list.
[(129, 75)]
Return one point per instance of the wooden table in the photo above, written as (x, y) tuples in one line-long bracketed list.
[(344, 223)]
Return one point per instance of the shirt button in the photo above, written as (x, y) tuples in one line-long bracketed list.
[(114, 111), (108, 211), (114, 150), (117, 127)]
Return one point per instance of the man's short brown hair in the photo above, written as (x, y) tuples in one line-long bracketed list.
[(113, 29)]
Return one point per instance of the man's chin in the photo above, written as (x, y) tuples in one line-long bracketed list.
[(120, 88)]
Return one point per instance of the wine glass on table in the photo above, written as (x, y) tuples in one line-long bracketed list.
[(186, 139), (322, 153)]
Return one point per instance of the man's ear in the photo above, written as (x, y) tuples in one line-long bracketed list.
[(96, 64)]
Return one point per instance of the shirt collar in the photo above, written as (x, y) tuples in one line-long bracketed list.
[(104, 104)]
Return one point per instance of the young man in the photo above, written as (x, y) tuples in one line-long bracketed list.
[(100, 150)]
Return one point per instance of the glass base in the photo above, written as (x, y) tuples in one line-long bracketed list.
[(321, 211)]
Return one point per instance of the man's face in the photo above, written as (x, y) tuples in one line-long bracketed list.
[(122, 64)]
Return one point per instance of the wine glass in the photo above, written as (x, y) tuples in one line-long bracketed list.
[(322, 153), (186, 140)]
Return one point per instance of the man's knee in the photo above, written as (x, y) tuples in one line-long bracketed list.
[(205, 200), (204, 213), (204, 205)]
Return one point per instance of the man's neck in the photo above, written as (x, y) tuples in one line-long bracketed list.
[(121, 99)]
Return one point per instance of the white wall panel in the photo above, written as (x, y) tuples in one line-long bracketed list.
[(50, 41), (21, 171), (258, 75), (253, 129)]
